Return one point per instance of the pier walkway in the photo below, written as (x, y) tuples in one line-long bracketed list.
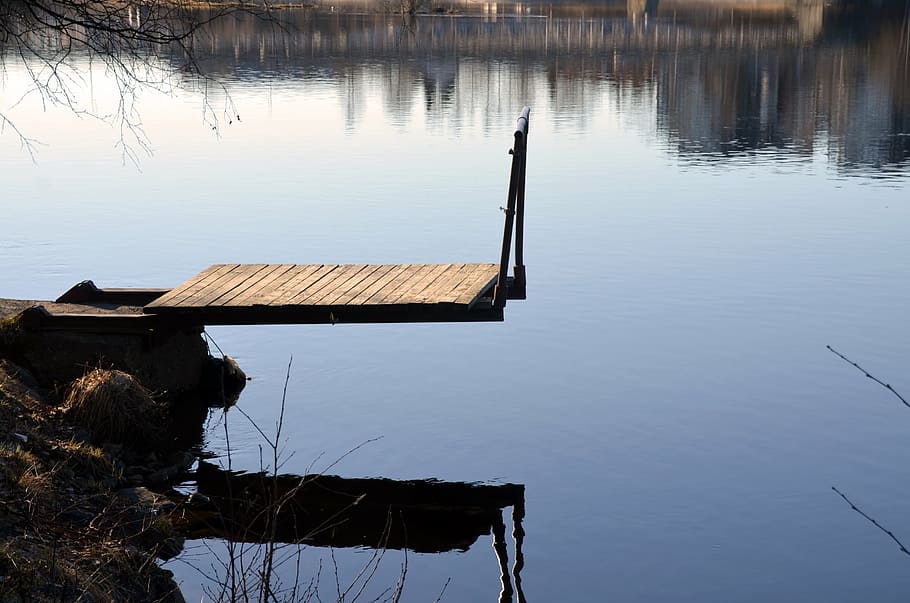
[(328, 293), (246, 294)]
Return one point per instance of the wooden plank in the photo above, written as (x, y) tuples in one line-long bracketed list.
[(465, 282), (484, 289), (364, 293), (181, 290), (477, 285), (399, 284), (221, 270), (356, 284), (217, 287), (254, 293), (462, 282), (395, 271), (441, 287), (236, 278), (194, 285), (340, 284), (419, 285), (327, 286), (289, 285), (442, 290), (321, 275), (437, 286), (209, 286), (250, 280), (251, 283)]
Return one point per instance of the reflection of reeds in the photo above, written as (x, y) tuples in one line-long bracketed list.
[(251, 570), (265, 519)]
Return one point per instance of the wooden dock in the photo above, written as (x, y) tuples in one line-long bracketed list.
[(329, 293), (245, 294)]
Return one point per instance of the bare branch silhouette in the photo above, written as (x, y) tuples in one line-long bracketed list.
[(249, 570), (871, 520), (853, 506), (59, 43), (887, 386)]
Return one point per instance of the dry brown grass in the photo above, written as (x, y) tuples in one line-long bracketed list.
[(115, 407), (36, 483), (46, 572), (16, 463), (65, 535), (10, 334)]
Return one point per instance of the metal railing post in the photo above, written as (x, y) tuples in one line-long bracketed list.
[(516, 192), (518, 288)]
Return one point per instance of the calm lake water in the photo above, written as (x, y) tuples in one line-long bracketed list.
[(714, 195)]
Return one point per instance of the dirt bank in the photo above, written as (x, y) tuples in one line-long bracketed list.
[(80, 518), (76, 523)]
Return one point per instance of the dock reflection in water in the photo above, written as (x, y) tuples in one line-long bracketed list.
[(424, 516)]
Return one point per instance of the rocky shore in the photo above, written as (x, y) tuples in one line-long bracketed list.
[(94, 430)]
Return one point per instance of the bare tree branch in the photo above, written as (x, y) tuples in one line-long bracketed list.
[(139, 46), (871, 520), (866, 373)]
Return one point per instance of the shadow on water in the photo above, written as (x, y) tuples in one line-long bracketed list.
[(424, 516)]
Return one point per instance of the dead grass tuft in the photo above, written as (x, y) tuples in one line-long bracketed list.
[(10, 332), (40, 571), (115, 407), (35, 483), (14, 463)]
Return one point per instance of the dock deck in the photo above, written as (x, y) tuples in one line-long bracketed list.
[(248, 294), (329, 293)]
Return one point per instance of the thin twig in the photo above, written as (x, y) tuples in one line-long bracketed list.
[(52, 38), (903, 549), (350, 452), (250, 572), (443, 591), (399, 587), (211, 339), (335, 568), (887, 386)]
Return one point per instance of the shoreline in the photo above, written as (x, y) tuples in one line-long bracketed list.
[(84, 507)]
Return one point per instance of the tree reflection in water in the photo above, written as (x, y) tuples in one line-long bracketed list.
[(727, 78)]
